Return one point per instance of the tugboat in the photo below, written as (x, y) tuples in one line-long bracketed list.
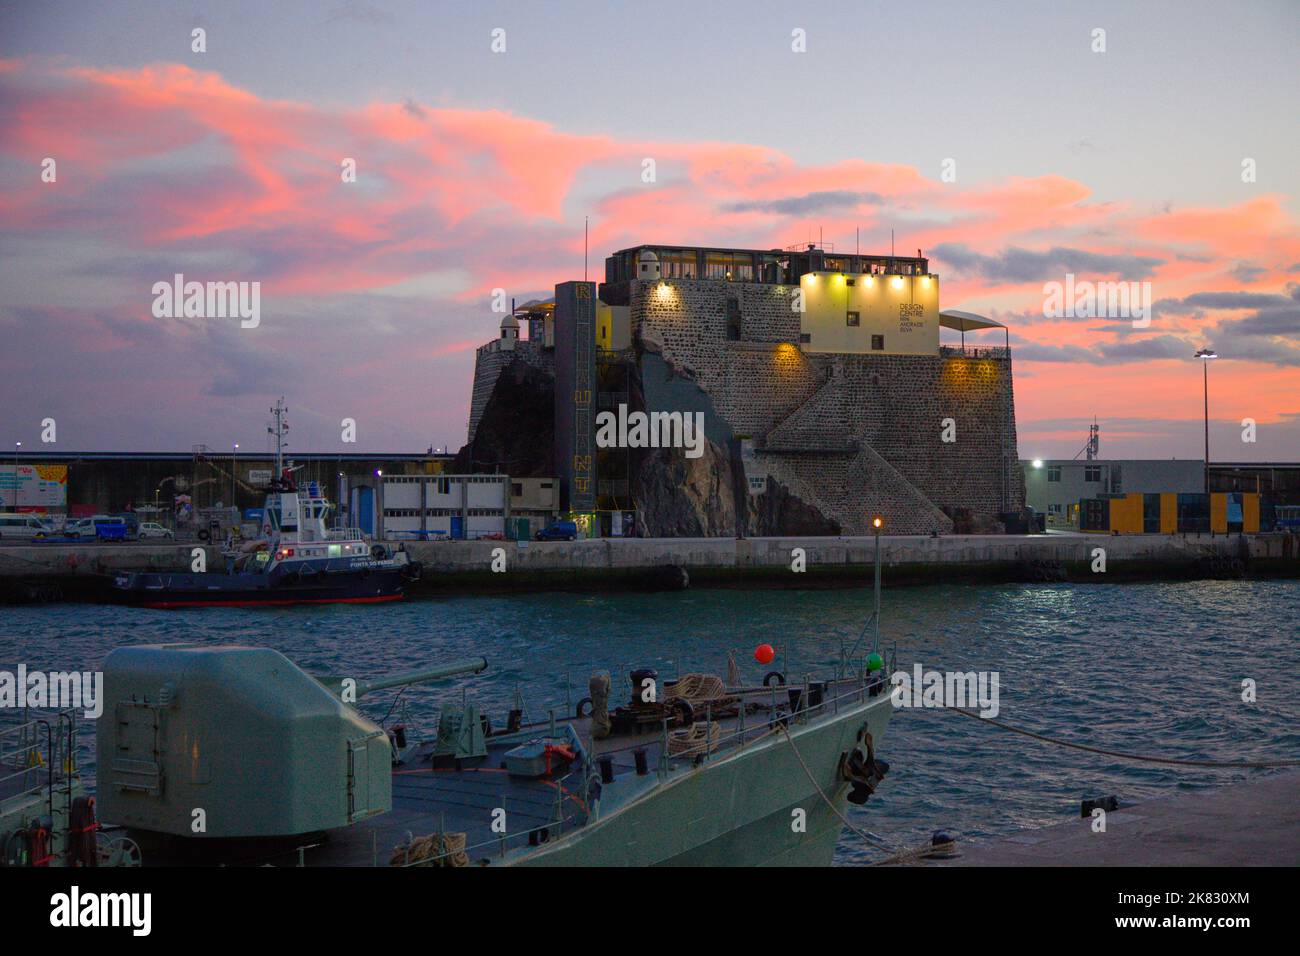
[(298, 560)]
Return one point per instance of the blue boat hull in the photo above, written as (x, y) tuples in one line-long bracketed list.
[(383, 581)]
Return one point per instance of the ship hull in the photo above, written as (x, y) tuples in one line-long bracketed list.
[(170, 591), (739, 811)]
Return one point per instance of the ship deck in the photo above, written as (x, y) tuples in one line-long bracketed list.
[(463, 797)]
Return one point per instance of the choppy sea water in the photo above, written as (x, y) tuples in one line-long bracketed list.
[(1151, 668)]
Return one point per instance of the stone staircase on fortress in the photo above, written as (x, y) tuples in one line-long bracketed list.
[(871, 484), (922, 514), (818, 423)]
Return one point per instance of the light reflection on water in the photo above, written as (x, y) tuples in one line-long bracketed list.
[(1152, 668)]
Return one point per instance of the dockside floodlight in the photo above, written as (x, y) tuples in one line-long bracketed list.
[(1038, 463), (876, 522), (1205, 355)]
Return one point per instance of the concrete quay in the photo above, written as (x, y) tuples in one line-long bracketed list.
[(1254, 823), (59, 571)]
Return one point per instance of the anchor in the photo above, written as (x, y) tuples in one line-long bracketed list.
[(861, 768)]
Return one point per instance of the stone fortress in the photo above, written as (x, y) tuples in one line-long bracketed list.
[(826, 395)]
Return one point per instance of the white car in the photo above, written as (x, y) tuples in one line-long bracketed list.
[(152, 529), (24, 527)]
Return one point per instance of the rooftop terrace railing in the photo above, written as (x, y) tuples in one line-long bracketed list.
[(975, 352)]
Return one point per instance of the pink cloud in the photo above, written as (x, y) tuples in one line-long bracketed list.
[(165, 159)]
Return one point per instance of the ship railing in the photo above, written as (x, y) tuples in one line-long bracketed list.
[(782, 709), (38, 753), (852, 688), (344, 534)]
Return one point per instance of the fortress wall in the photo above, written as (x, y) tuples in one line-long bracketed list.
[(489, 362), (810, 414)]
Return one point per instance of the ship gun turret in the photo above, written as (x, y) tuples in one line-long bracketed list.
[(206, 742)]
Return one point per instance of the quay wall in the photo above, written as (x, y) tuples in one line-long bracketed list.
[(61, 571)]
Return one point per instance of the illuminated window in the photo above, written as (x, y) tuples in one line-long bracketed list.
[(733, 266), (677, 265)]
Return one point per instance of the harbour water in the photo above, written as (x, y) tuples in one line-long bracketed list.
[(1152, 668)]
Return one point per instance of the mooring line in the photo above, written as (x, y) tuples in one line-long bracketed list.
[(1124, 755), (896, 856)]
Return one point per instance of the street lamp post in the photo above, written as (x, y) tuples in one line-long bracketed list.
[(1206, 355), (17, 445), (233, 452), (876, 523)]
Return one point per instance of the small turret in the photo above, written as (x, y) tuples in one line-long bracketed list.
[(509, 333), (648, 266)]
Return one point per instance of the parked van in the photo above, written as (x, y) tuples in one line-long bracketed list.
[(23, 527), (104, 528), (559, 531)]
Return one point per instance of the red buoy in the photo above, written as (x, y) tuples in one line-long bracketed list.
[(764, 654)]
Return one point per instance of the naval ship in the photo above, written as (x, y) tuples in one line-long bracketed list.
[(230, 755)]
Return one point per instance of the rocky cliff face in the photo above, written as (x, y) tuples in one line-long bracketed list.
[(778, 512), (516, 432), (674, 496), (685, 497), (682, 497)]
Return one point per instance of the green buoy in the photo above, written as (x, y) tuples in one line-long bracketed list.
[(874, 661)]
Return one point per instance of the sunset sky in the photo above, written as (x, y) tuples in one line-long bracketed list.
[(475, 170)]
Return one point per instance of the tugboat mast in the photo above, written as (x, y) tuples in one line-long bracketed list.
[(280, 428)]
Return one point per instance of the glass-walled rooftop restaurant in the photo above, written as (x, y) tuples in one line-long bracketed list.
[(770, 266)]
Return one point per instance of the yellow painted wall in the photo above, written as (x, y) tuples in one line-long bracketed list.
[(613, 326), (1219, 512), (1168, 513), (903, 309)]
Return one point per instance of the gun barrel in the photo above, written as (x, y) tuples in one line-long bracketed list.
[(471, 665)]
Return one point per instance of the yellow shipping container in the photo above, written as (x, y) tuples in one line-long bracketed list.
[(1219, 512), (1168, 513), (1250, 513), (1126, 514)]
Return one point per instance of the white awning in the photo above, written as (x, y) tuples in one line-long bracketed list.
[(966, 321)]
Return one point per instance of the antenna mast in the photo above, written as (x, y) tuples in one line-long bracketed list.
[(278, 431)]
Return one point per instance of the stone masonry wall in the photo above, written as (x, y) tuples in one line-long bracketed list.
[(858, 433), (489, 362)]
